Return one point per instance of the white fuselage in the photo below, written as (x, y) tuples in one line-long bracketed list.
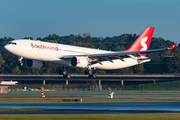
[(53, 52)]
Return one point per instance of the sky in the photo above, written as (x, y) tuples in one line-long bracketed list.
[(100, 18)]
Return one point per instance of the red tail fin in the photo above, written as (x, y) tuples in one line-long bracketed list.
[(143, 41)]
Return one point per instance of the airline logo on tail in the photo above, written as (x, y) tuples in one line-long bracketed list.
[(143, 41), (143, 44)]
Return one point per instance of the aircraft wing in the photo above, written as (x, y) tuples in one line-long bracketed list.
[(98, 58), (118, 55), (132, 52)]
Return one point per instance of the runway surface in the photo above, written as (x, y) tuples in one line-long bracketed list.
[(103, 95), (90, 108), (117, 95)]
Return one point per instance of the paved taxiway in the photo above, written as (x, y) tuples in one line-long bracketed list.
[(88, 108)]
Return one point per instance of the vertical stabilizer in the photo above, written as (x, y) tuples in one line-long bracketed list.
[(143, 41)]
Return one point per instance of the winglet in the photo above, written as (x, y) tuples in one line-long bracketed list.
[(172, 46)]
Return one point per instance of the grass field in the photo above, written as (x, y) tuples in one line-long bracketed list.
[(29, 96), (100, 92), (58, 99), (149, 116)]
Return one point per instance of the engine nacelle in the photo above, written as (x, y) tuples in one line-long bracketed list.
[(79, 62), (34, 64)]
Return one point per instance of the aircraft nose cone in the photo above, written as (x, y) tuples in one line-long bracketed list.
[(7, 47)]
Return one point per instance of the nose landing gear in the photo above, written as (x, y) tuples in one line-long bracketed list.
[(20, 61)]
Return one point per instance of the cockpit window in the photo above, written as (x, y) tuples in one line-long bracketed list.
[(12, 43)]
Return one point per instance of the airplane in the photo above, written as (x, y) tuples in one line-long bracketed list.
[(38, 52)]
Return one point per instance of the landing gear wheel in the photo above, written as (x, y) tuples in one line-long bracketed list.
[(86, 72), (92, 76), (20, 64), (63, 72), (66, 76), (90, 72)]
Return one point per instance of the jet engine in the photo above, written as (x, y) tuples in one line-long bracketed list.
[(79, 62), (34, 64)]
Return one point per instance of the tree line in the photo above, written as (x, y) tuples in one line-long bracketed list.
[(9, 62)]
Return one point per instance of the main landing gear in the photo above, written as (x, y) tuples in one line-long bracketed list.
[(64, 73), (90, 73), (67, 76)]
